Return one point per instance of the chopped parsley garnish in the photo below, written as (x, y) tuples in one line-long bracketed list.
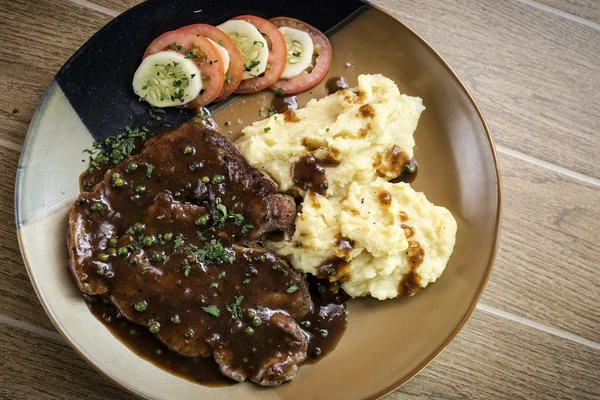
[(297, 54), (15, 110), (178, 241), (247, 228), (214, 251), (222, 275), (220, 43), (227, 79), (115, 149), (212, 310), (149, 170), (189, 54), (154, 111), (235, 308), (214, 285), (253, 64), (187, 269), (221, 215), (246, 281), (279, 92), (267, 129), (292, 289), (259, 42), (271, 112), (205, 114)]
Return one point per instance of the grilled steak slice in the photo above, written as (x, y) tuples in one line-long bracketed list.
[(169, 236)]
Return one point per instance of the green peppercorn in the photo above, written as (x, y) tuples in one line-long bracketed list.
[(249, 331), (119, 182), (158, 352), (202, 220), (141, 306), (133, 333), (253, 350), (154, 327), (188, 186), (134, 260), (168, 236), (255, 322), (112, 242), (156, 256), (123, 251), (218, 179), (189, 334), (116, 175), (138, 227), (111, 251), (132, 166), (251, 314), (100, 271), (305, 324), (103, 257), (188, 150), (147, 241), (261, 258), (175, 319), (140, 189), (205, 179), (96, 207), (324, 333)]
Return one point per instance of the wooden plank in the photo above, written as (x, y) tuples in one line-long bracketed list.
[(547, 264), (493, 358), (118, 5), (37, 38), (17, 298), (535, 75), (34, 367), (588, 9)]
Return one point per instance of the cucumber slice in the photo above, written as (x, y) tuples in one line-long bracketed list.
[(300, 50), (223, 53), (252, 45), (167, 79)]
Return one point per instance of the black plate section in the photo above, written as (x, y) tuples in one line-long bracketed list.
[(97, 78)]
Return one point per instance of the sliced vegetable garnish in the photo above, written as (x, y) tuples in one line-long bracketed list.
[(235, 73), (167, 79), (276, 58), (252, 46), (201, 51), (321, 62), (300, 50)]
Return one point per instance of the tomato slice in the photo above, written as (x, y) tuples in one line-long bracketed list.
[(306, 80), (277, 56), (203, 53), (235, 73)]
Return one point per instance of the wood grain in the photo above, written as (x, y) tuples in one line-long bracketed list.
[(17, 298), (535, 75), (37, 38), (118, 5), (547, 263), (494, 358), (588, 9), (37, 368)]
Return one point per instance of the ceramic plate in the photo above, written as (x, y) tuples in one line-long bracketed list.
[(386, 342)]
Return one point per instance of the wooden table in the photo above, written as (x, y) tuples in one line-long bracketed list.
[(533, 67)]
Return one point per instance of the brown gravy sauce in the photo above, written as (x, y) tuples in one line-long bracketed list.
[(308, 173), (280, 104), (410, 285), (324, 326), (335, 84)]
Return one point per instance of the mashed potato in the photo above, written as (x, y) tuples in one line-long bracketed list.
[(382, 239), (357, 230), (356, 128)]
